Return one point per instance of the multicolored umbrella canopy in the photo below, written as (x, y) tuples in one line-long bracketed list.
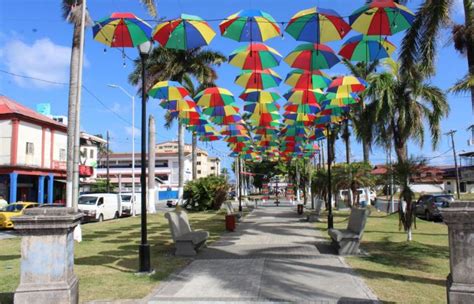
[(250, 25), (223, 115), (255, 56), (367, 48), (314, 97), (258, 79), (179, 105), (381, 17), (317, 25), (300, 79), (122, 30), (210, 137), (263, 114), (168, 90), (214, 97), (232, 130), (185, 33), (345, 86), (312, 57), (254, 95)]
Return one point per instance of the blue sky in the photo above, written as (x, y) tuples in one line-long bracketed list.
[(35, 41)]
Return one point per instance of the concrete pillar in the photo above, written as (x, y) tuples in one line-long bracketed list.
[(41, 189), (47, 256), (50, 188), (460, 282), (13, 186)]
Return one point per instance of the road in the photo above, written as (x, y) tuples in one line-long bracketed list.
[(7, 234)]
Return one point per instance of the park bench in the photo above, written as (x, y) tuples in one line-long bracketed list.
[(186, 241), (314, 216), (347, 241)]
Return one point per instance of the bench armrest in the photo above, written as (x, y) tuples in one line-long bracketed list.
[(195, 237)]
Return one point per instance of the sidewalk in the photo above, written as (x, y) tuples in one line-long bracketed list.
[(271, 257)]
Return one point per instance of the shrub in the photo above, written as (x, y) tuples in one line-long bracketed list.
[(206, 193)]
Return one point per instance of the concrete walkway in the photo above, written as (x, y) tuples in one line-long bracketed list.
[(272, 257)]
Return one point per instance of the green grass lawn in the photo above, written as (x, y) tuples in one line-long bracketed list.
[(397, 270), (107, 258)]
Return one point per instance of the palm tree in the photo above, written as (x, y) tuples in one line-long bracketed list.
[(359, 116), (181, 66), (419, 44), (401, 106), (150, 6), (402, 172)]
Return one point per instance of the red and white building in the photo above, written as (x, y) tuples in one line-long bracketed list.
[(32, 155)]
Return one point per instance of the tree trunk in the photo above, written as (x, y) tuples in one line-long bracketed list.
[(73, 81), (366, 151), (194, 155), (180, 162), (401, 151)]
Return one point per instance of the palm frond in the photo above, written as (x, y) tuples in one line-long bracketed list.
[(463, 85), (150, 6)]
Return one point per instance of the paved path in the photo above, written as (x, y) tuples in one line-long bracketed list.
[(272, 257)]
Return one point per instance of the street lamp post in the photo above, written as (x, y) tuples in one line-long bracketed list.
[(133, 142), (144, 248), (330, 216)]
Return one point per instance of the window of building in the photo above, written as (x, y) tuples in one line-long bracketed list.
[(199, 171), (62, 154), (91, 153), (30, 150), (198, 163), (212, 168), (199, 154)]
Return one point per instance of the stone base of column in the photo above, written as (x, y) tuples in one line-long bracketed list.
[(459, 293), (67, 292)]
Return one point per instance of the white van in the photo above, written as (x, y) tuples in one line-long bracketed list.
[(365, 195), (100, 206), (128, 204)]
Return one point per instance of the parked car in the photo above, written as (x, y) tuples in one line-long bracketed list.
[(428, 206), (100, 206), (126, 203), (13, 210), (171, 202)]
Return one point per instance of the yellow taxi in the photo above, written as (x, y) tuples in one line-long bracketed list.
[(13, 210)]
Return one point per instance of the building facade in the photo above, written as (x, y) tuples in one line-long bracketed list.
[(33, 151), (166, 167)]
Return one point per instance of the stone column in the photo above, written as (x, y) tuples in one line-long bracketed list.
[(47, 256), (460, 282)]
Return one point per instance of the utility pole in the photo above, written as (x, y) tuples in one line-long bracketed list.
[(451, 133), (108, 168)]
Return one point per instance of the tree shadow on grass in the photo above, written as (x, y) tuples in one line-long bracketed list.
[(6, 297), (9, 257)]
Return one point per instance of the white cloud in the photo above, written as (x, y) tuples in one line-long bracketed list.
[(128, 130), (43, 59)]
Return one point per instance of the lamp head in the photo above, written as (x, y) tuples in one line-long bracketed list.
[(145, 48)]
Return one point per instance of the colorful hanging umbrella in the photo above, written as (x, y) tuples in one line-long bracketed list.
[(223, 115), (255, 56), (262, 117), (254, 95), (367, 48), (312, 57), (210, 137), (314, 97), (300, 79), (258, 79), (233, 130), (178, 105), (214, 97), (122, 30), (168, 90), (317, 25), (381, 17), (187, 32), (261, 107), (345, 86), (249, 25)]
